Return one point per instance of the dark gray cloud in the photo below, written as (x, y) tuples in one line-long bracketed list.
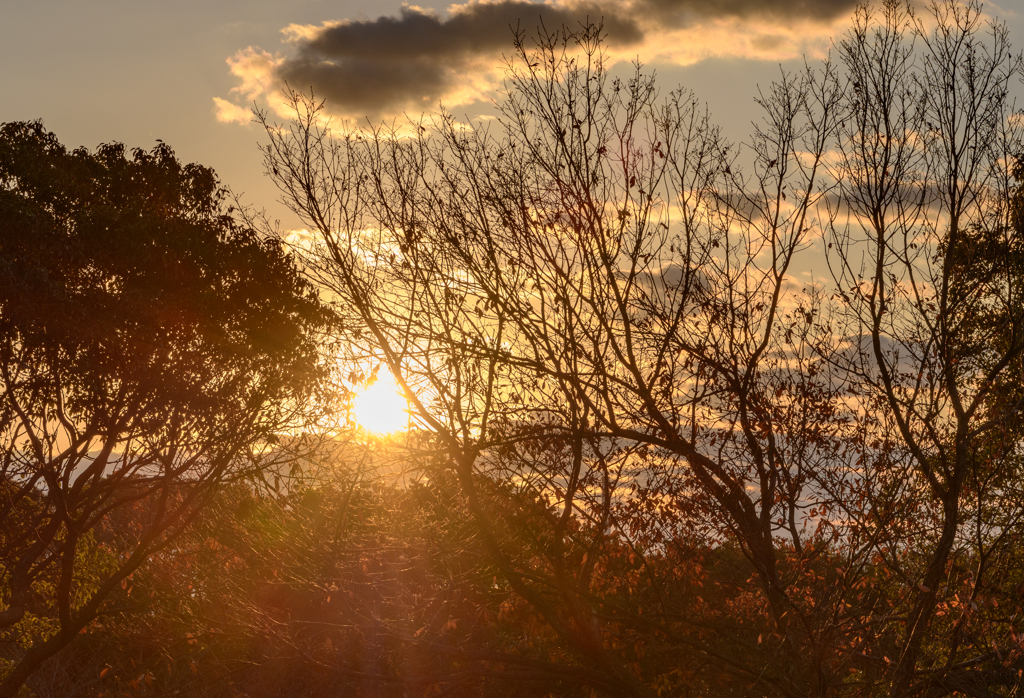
[(364, 86), (475, 28), (411, 61), (379, 66)]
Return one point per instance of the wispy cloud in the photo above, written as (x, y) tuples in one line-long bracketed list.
[(410, 62)]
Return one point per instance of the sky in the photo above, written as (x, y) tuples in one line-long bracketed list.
[(188, 71)]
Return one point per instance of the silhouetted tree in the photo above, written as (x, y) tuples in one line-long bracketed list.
[(925, 257), (599, 320), (151, 347)]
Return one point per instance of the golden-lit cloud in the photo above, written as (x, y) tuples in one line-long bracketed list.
[(256, 71), (411, 62), (229, 112), (733, 37)]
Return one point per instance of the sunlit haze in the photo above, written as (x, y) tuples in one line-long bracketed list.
[(381, 408)]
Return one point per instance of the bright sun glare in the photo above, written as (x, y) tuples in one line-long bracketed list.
[(381, 408)]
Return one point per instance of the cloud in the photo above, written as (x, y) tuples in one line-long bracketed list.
[(412, 61), (230, 113), (689, 12), (382, 67), (256, 71), (473, 28)]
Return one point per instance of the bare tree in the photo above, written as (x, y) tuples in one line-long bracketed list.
[(598, 316), (926, 259)]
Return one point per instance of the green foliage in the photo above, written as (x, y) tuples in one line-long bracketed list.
[(94, 563)]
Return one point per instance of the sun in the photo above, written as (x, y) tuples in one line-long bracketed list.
[(381, 408)]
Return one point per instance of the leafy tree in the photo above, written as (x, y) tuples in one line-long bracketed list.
[(151, 347)]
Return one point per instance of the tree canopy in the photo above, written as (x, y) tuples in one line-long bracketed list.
[(151, 345)]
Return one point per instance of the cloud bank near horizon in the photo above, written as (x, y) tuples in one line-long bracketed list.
[(411, 62)]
